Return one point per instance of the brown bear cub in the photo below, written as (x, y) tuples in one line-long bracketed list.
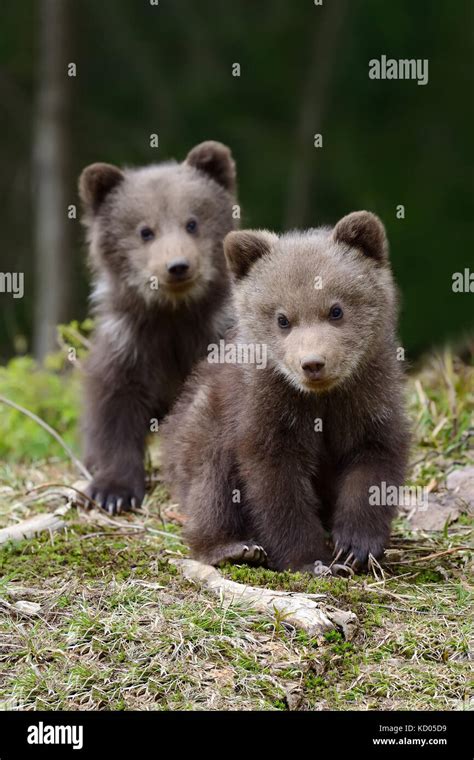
[(161, 295), (266, 460)]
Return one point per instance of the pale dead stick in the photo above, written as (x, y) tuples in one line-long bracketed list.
[(295, 608), (83, 470), (51, 521)]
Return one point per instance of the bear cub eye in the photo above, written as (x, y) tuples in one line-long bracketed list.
[(147, 234), (283, 321), (336, 312), (191, 226)]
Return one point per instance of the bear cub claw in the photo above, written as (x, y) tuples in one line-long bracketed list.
[(319, 569), (114, 499), (249, 553), (357, 554)]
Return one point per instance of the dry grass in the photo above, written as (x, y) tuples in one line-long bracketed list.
[(117, 628)]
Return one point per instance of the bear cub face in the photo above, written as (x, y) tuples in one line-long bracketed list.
[(156, 233), (318, 300)]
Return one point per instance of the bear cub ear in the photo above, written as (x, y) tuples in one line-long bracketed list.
[(95, 182), (242, 249), (215, 160), (363, 230)]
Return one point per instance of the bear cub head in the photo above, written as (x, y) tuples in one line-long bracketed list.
[(323, 302), (156, 233)]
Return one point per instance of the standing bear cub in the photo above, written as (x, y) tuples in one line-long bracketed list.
[(267, 460), (161, 295)]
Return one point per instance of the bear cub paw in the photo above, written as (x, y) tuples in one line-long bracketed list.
[(248, 552), (113, 497)]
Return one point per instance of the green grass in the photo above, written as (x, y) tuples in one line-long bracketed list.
[(119, 628)]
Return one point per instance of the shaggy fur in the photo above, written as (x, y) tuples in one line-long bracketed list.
[(160, 296), (244, 451)]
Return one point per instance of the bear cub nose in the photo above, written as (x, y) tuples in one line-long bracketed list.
[(313, 366), (178, 269)]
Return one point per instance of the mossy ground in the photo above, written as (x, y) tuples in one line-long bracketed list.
[(119, 628)]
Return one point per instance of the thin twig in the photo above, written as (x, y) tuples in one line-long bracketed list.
[(410, 610), (129, 532), (51, 431), (386, 592), (42, 486), (76, 334), (435, 555)]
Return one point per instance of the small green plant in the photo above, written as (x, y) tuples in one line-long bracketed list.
[(51, 391)]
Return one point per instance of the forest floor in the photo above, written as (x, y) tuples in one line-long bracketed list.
[(112, 624)]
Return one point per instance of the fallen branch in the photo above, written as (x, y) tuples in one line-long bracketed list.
[(51, 431), (29, 528), (300, 610)]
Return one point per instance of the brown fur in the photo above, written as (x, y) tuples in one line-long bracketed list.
[(243, 431), (153, 321)]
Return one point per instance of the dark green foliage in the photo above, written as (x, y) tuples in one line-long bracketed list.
[(51, 391), (168, 70)]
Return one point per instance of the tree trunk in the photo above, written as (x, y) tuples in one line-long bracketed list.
[(325, 44), (50, 159)]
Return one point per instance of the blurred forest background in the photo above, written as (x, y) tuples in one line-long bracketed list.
[(167, 69), (100, 616)]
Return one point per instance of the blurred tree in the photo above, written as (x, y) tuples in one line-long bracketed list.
[(51, 149), (323, 50)]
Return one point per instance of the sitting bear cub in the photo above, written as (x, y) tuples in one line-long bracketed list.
[(266, 461), (161, 295)]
